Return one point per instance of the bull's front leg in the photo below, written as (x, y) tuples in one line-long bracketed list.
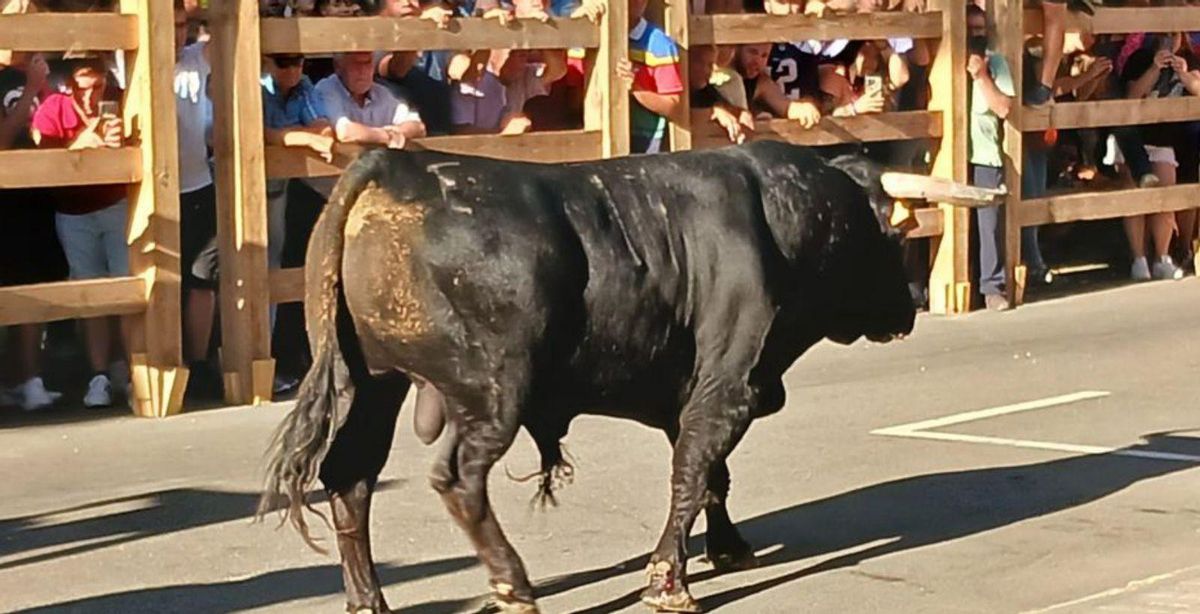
[(708, 432), (724, 545)]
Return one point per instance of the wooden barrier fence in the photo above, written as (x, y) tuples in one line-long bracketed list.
[(151, 295), (1011, 21)]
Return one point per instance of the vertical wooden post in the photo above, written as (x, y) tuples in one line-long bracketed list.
[(156, 345), (1009, 23), (949, 282), (676, 23), (607, 104), (241, 202)]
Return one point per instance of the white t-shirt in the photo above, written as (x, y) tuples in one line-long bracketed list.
[(193, 112)]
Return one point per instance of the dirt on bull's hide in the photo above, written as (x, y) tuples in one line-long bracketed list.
[(376, 216)]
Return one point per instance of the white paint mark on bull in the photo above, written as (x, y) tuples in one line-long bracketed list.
[(923, 430), (462, 209), (434, 168)]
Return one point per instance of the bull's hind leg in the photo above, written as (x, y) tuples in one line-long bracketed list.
[(349, 473), (724, 545), (710, 427), (469, 449)]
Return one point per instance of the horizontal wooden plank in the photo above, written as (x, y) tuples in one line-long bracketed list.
[(557, 146), (1107, 205), (327, 35), (832, 130), (68, 31), (758, 28), (930, 223), (1069, 115), (72, 299), (30, 168), (1123, 20), (287, 285)]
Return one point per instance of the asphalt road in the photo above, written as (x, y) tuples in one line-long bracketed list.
[(1075, 503)]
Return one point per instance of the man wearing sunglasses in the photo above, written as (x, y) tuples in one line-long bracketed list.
[(293, 116)]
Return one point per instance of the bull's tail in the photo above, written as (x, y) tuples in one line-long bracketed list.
[(323, 401)]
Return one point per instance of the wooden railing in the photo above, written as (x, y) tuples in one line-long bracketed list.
[(151, 295)]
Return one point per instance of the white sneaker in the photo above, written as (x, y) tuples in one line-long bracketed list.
[(99, 392), (1166, 269), (34, 395), (1140, 270)]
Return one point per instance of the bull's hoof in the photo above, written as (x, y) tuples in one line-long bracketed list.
[(735, 558), (726, 563), (506, 601), (501, 606), (679, 601), (666, 592)]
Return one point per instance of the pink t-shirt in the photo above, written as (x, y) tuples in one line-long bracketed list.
[(57, 119)]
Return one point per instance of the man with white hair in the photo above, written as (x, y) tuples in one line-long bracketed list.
[(363, 111)]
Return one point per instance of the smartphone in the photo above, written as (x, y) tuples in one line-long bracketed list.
[(873, 85), (109, 108)]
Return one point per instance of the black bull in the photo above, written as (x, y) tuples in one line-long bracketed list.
[(674, 290)]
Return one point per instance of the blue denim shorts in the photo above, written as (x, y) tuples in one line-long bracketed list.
[(95, 243)]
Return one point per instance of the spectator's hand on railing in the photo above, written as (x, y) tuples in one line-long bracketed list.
[(532, 9), (322, 145), (438, 14), (396, 140), (746, 119), (814, 8), (731, 123), (592, 9), (624, 72), (503, 15), (804, 112), (516, 124)]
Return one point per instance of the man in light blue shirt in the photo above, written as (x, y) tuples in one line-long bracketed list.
[(362, 110)]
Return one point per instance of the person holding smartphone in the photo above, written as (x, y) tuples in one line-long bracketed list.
[(29, 249), (91, 220)]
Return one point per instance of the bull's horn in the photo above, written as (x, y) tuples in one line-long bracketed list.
[(934, 189)]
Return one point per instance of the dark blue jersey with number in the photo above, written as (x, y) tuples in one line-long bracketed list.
[(796, 71)]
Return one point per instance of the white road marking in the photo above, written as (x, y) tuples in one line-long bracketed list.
[(971, 416), (923, 430), (1135, 585)]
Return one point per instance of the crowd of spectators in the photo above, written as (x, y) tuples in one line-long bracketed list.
[(387, 98)]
